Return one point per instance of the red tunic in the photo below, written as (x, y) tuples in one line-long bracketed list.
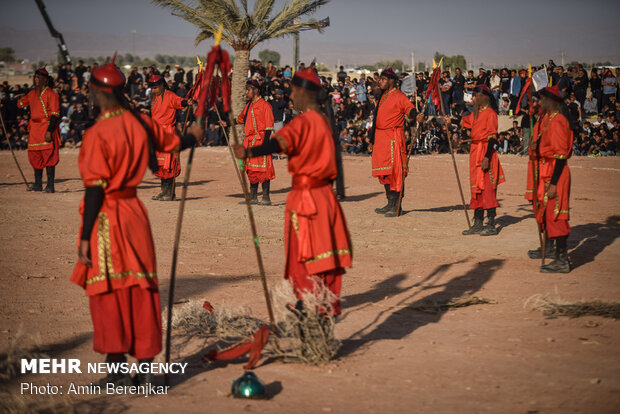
[(163, 112), (43, 106), (258, 120), (483, 184), (389, 153), (554, 139), (114, 155), (319, 243)]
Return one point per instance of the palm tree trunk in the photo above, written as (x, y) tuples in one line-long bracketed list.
[(240, 76)]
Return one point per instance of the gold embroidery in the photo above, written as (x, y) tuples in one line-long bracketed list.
[(282, 143), (391, 158), (560, 157), (104, 249), (325, 255), (263, 165), (42, 103), (100, 183), (110, 114), (295, 221), (38, 145)]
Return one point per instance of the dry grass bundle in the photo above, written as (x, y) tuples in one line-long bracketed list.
[(435, 307), (305, 334), (11, 355), (19, 404), (559, 307)]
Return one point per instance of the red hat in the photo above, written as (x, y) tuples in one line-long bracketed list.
[(482, 88), (522, 71), (41, 71), (253, 83), (389, 73), (155, 80), (107, 77), (307, 79), (552, 92)]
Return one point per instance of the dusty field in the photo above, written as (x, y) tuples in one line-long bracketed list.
[(502, 357)]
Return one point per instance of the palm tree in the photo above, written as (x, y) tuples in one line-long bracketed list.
[(243, 30)]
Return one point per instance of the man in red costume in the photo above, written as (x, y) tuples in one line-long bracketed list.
[(44, 135), (117, 266), (257, 120), (389, 152), (316, 237), (485, 171), (164, 105), (551, 146)]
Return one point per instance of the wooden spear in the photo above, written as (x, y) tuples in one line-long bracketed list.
[(8, 141)]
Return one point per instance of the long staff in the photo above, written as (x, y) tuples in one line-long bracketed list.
[(534, 150), (456, 171), (8, 141), (246, 193), (177, 156)]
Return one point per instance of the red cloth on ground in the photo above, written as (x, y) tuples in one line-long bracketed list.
[(164, 113), (254, 347), (483, 127), (389, 153), (44, 158), (127, 321)]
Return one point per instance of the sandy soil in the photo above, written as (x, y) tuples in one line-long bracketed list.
[(502, 357)]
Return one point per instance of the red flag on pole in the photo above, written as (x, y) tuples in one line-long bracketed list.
[(433, 87)]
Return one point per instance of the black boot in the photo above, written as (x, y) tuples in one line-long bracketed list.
[(477, 227), (115, 377), (254, 193), (561, 263), (490, 229), (51, 172), (266, 199), (385, 209), (161, 193), (169, 190), (143, 378), (549, 250), (38, 181), (393, 203)]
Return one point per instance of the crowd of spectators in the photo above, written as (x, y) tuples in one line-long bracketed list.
[(591, 103)]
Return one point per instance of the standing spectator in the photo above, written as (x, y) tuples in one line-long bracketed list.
[(458, 85), (278, 105), (580, 85), (515, 90), (342, 75), (360, 89), (494, 84), (596, 86), (446, 91), (609, 87), (133, 81), (562, 82), (79, 72), (504, 79)]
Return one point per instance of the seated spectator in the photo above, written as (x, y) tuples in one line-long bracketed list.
[(504, 104), (590, 105), (65, 128)]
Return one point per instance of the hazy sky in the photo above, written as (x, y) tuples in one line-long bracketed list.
[(363, 31)]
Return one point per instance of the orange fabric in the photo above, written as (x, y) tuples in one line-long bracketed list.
[(254, 347), (389, 152), (304, 283), (44, 158), (258, 120), (483, 127), (127, 321), (163, 112), (114, 155), (312, 210), (553, 139), (43, 106)]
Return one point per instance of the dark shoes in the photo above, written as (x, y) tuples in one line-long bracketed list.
[(38, 181), (561, 264), (475, 229), (549, 251)]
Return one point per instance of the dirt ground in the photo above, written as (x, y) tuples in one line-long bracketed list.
[(503, 357)]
